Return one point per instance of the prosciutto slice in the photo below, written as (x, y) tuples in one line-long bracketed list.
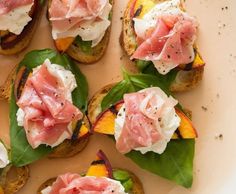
[(149, 122), (75, 184), (47, 112), (166, 38), (8, 5)]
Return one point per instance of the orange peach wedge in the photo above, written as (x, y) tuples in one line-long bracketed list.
[(100, 167)]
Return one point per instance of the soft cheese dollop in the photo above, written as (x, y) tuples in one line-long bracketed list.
[(16, 17), (45, 107), (165, 36), (74, 183), (88, 18), (4, 161), (146, 122)]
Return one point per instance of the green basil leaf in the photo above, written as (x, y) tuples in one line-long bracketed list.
[(142, 65), (85, 46), (121, 175), (175, 164), (128, 185), (147, 67), (132, 83), (21, 152), (124, 178), (116, 94)]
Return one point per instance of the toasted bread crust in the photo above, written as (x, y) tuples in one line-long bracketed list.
[(12, 185), (27, 37), (94, 107), (137, 185), (185, 80), (97, 52)]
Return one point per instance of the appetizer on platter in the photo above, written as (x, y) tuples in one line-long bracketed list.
[(148, 125), (100, 178), (161, 38), (48, 98), (81, 28), (18, 22)]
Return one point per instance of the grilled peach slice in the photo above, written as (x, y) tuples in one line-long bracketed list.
[(100, 167), (105, 122), (63, 44)]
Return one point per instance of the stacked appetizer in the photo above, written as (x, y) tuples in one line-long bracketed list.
[(47, 104), (81, 28), (161, 38), (18, 22), (148, 126), (100, 178)]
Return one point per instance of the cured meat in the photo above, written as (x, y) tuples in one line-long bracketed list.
[(167, 40), (149, 123), (75, 184), (47, 111), (86, 18), (8, 5)]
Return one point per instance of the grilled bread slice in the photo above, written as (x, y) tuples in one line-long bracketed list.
[(12, 184)]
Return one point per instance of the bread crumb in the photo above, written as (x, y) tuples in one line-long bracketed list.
[(219, 136), (204, 108)]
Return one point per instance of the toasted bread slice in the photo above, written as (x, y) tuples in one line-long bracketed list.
[(137, 185), (12, 184), (96, 53), (21, 41), (185, 80), (66, 149), (94, 107)]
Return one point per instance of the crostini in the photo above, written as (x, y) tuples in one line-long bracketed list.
[(81, 29), (18, 22), (100, 178), (48, 98), (10, 184), (148, 126), (161, 38)]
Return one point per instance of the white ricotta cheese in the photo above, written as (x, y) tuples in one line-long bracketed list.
[(169, 123), (4, 161), (16, 19)]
